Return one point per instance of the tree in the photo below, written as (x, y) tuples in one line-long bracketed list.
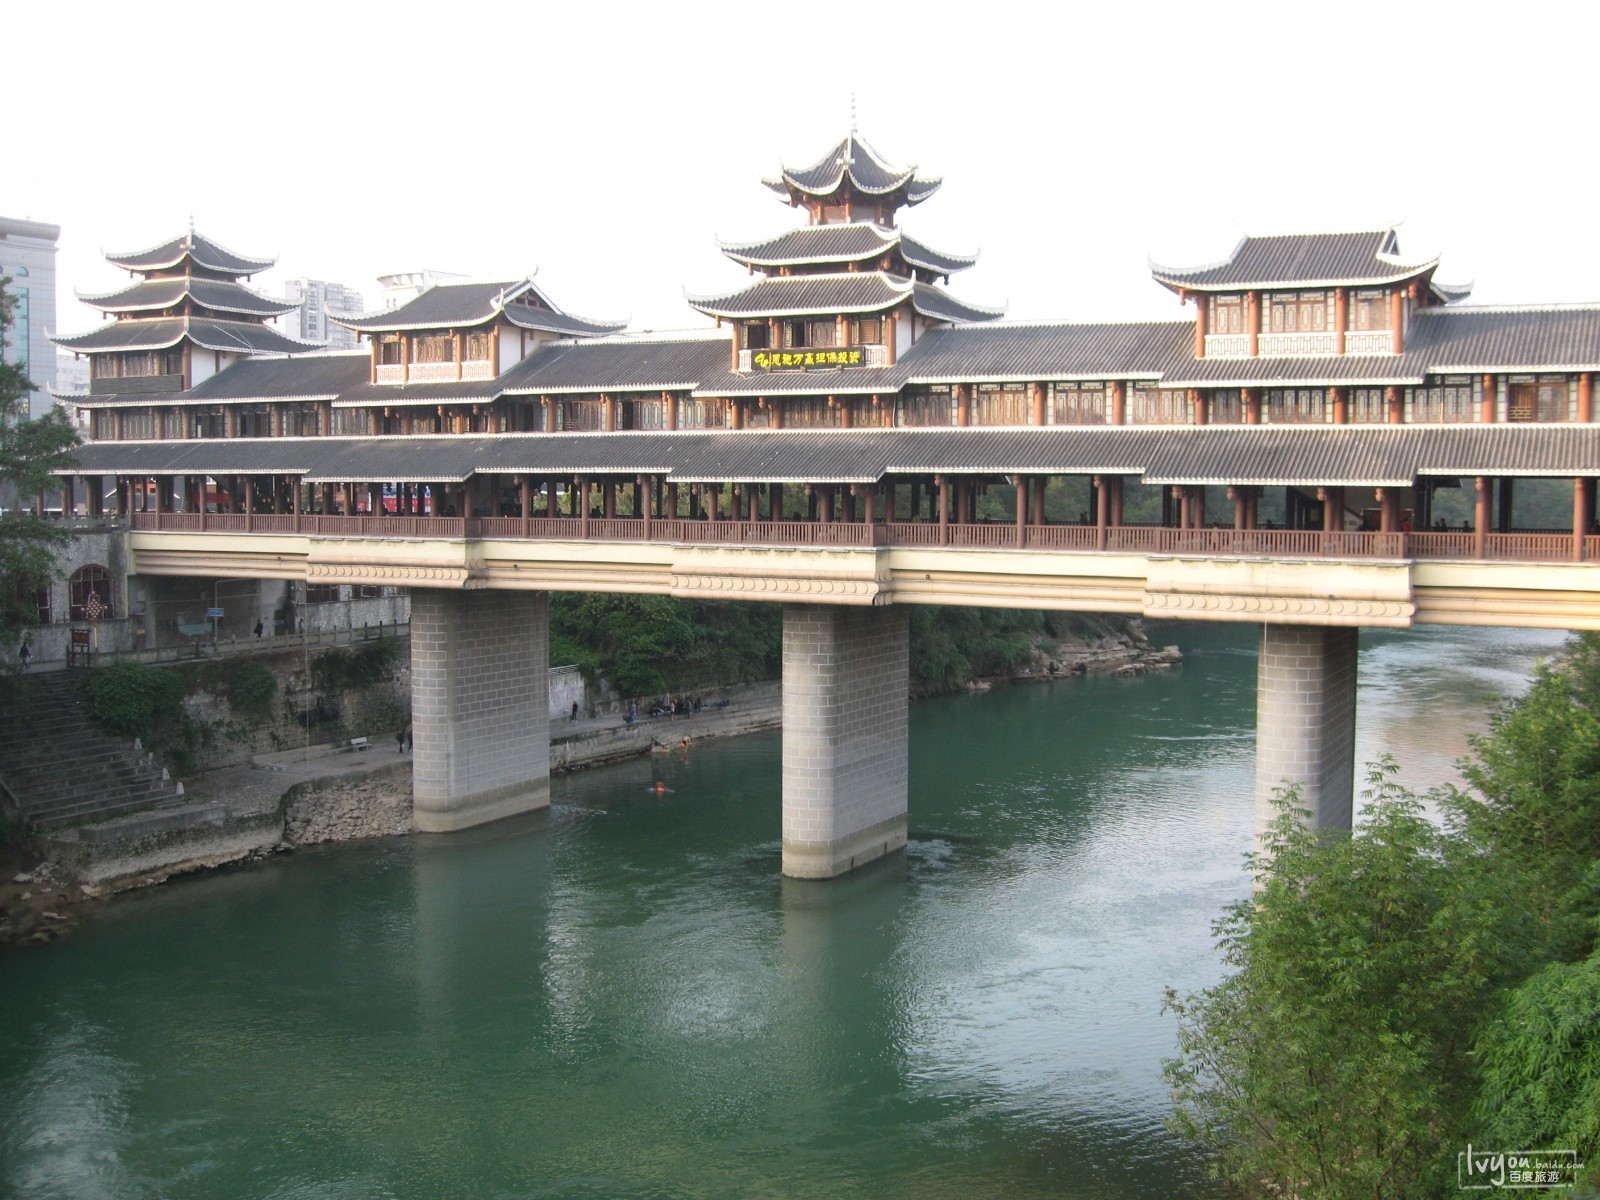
[(1335, 1062), (29, 451)]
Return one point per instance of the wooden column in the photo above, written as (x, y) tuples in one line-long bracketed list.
[(963, 404), (1252, 406), (117, 425), (1253, 319), (1397, 321), (1341, 406), (669, 402), (672, 501), (735, 414), (1489, 401), (580, 501), (525, 491), (1484, 487), (709, 490), (1197, 402), (1036, 408), (1037, 515), (1585, 397), (1102, 511), (1202, 315), (230, 420), (1241, 506), (1341, 318), (1119, 402), (1332, 509), (249, 504), (1118, 483), (943, 483), (649, 501), (1022, 510), (1396, 404), (1582, 514), (844, 408), (1182, 496)]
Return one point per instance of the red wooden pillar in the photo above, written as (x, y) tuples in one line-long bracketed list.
[(1586, 397), (1022, 510), (1397, 405), (1102, 511), (1488, 402), (963, 404), (580, 501), (1202, 313), (1484, 487), (1341, 406), (1119, 402), (525, 490), (1341, 318), (1397, 321), (1253, 318), (1252, 406), (1036, 410), (1582, 514), (943, 482)]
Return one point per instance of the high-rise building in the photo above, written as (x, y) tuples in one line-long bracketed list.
[(28, 256), (318, 300)]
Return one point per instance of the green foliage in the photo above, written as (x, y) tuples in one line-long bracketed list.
[(133, 700), (952, 645), (1541, 1063), (251, 688), (1334, 1062), (29, 451), (360, 666), (1535, 808), (1413, 986), (639, 642)]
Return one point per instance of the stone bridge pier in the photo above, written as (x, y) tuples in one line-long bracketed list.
[(1306, 721), (845, 678), (480, 706)]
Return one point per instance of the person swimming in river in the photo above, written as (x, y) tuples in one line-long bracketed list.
[(660, 788)]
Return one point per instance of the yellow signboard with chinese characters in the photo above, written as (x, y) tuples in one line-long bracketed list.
[(799, 360)]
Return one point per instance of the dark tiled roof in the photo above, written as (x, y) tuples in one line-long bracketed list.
[(443, 306), (1305, 455), (235, 337), (1006, 353), (303, 377), (405, 395), (462, 305), (920, 255), (1301, 260), (196, 246), (865, 168), (942, 306), (815, 244), (529, 317), (155, 334), (1529, 339), (1327, 370), (803, 295), (220, 294), (623, 365)]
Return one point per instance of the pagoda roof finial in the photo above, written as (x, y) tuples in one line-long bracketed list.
[(853, 129)]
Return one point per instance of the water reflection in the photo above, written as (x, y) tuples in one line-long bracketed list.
[(625, 998)]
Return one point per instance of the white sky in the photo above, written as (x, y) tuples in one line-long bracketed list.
[(609, 144)]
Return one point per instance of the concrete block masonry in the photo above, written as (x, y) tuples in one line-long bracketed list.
[(1306, 721), (480, 706), (845, 720)]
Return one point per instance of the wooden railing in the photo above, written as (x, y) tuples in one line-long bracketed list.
[(1543, 546)]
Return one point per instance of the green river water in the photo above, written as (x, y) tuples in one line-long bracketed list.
[(623, 998)]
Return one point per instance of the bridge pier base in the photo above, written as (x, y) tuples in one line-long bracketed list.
[(480, 706), (1306, 721), (845, 675)]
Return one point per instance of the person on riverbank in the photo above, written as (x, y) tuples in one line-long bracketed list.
[(24, 655)]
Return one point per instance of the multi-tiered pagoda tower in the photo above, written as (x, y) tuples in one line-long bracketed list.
[(850, 289), (187, 318)]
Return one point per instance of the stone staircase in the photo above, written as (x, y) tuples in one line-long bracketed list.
[(64, 771)]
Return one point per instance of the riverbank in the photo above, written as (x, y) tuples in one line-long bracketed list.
[(331, 793)]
